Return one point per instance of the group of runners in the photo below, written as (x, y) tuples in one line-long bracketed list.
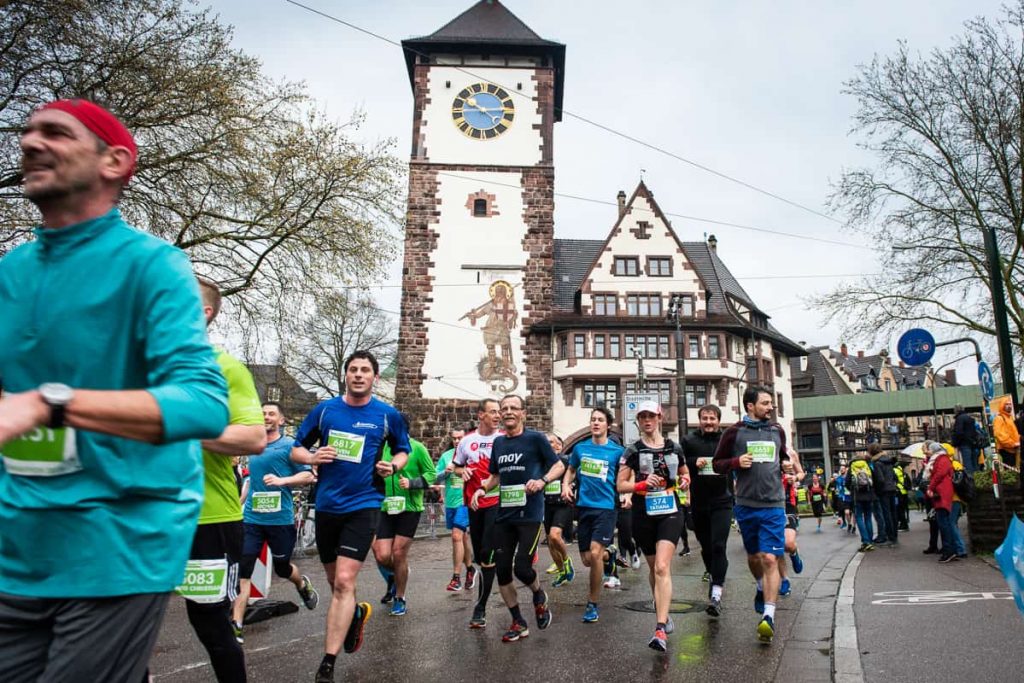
[(111, 388), (504, 484)]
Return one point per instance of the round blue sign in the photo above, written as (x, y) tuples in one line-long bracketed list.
[(988, 385), (916, 347)]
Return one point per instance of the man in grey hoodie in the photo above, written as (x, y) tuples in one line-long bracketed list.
[(755, 449)]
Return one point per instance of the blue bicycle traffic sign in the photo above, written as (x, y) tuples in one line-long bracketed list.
[(988, 385), (916, 347)]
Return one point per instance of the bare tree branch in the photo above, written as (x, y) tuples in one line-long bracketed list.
[(267, 196), (948, 131)]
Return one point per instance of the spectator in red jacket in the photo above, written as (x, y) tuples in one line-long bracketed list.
[(940, 492)]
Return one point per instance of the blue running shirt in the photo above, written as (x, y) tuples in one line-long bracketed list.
[(358, 433), (517, 460), (596, 469), (275, 460)]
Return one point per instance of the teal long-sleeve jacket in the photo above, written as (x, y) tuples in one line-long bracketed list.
[(101, 305)]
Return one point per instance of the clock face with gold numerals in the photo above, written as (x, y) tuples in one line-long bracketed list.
[(483, 111)]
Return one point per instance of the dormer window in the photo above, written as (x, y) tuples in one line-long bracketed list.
[(659, 266), (628, 266)]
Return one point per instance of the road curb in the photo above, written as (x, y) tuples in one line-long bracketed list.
[(846, 666)]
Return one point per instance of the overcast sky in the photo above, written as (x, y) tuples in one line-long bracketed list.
[(749, 89)]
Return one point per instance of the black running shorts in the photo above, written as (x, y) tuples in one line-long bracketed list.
[(349, 535)]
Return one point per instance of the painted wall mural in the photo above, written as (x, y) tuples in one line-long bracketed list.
[(501, 317)]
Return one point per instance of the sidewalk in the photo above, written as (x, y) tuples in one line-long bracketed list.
[(917, 619)]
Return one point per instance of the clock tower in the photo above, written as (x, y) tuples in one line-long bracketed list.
[(479, 234)]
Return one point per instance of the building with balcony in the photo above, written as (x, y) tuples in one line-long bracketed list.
[(609, 315)]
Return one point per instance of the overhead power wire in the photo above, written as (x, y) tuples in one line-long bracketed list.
[(712, 221), (583, 119)]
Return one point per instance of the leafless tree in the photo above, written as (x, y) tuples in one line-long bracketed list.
[(264, 193), (315, 349), (948, 131)]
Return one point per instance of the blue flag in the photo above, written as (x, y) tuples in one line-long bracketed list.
[(1010, 556)]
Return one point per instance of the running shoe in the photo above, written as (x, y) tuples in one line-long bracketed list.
[(389, 594), (714, 608), (541, 609), (516, 631), (766, 630), (354, 637), (398, 607), (869, 547), (947, 558), (553, 569), (455, 584), (613, 553), (670, 626), (659, 641), (569, 570), (471, 577), (612, 582), (479, 619), (237, 628), (325, 674), (798, 564), (310, 598), (636, 561), (706, 577), (759, 601), (785, 588), (622, 561), (590, 614), (560, 580), (818, 530), (685, 552)]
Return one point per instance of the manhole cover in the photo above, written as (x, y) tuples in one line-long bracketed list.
[(676, 607)]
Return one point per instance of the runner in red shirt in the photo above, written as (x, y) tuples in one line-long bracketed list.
[(472, 463)]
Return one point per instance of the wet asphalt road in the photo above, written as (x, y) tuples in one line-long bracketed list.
[(432, 642)]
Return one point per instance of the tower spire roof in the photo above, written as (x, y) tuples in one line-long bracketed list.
[(488, 28)]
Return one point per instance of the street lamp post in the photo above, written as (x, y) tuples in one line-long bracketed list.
[(675, 305), (995, 276)]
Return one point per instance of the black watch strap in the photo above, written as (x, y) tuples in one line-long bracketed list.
[(56, 416)]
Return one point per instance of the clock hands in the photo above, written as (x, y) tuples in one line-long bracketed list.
[(485, 110)]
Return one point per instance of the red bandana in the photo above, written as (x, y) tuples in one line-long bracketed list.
[(101, 122)]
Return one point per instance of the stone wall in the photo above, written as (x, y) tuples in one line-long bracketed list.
[(433, 418)]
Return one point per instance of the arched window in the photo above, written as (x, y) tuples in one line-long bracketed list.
[(480, 208)]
